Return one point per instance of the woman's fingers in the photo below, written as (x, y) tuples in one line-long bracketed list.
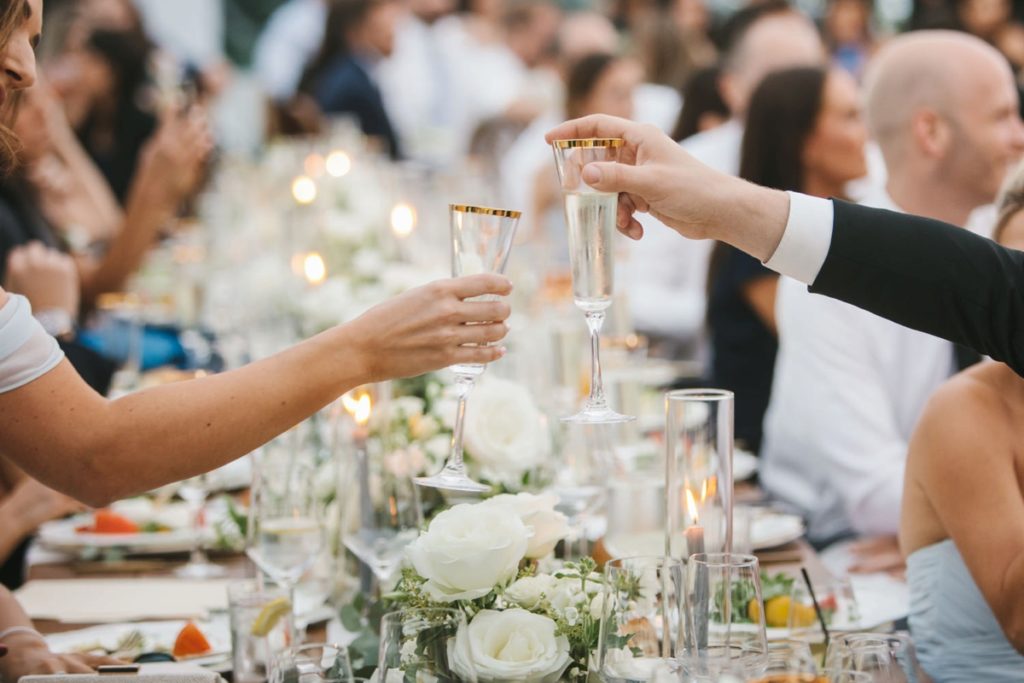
[(470, 286), (480, 334), (476, 354), (482, 312)]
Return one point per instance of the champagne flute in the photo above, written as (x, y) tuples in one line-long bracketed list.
[(590, 216), (481, 243)]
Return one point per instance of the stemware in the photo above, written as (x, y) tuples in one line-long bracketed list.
[(724, 617), (415, 645), (580, 481), (312, 663), (194, 491), (284, 535), (838, 608), (481, 240), (887, 656), (590, 216), (641, 619)]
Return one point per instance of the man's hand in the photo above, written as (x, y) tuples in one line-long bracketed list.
[(655, 175)]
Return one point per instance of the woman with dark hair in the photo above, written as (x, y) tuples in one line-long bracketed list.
[(803, 133), (703, 106), (359, 34)]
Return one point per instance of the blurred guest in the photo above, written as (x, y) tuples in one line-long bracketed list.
[(804, 133), (983, 18), (288, 44), (848, 34), (703, 106), (850, 386), (769, 37), (966, 586), (359, 34)]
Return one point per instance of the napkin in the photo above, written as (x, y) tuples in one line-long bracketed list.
[(169, 672), (102, 601)]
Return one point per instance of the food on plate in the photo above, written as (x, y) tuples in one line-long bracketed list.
[(109, 522), (190, 642)]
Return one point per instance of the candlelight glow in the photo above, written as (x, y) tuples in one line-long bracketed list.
[(359, 408), (304, 190), (338, 164), (314, 268), (403, 220), (314, 165), (691, 505)]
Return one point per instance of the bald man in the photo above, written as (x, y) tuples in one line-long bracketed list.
[(850, 386)]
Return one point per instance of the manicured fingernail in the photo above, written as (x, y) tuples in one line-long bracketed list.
[(502, 351), (591, 174)]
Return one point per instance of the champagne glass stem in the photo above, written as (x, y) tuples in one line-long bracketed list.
[(463, 386), (198, 556), (595, 321)]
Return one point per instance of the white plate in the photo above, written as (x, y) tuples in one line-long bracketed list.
[(770, 529), (158, 636), (63, 535), (744, 465)]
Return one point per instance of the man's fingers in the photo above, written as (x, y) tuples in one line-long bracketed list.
[(609, 176), (595, 126)]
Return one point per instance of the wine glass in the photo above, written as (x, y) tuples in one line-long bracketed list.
[(415, 645), (590, 216), (388, 513), (312, 663), (481, 243), (194, 491), (725, 630), (580, 480), (283, 534), (641, 619), (886, 656)]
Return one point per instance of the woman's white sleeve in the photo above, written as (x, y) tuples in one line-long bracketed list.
[(26, 351)]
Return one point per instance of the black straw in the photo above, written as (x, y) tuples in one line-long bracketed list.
[(817, 607)]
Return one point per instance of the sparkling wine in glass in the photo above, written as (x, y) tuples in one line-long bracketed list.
[(590, 216), (481, 240)]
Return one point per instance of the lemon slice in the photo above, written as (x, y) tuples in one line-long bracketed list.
[(268, 617)]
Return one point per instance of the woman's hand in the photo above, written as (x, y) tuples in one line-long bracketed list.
[(173, 161), (36, 504), (46, 277), (433, 327), (28, 655)]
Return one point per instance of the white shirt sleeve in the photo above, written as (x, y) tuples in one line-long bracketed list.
[(26, 351), (806, 240)]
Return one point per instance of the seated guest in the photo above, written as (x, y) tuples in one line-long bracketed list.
[(962, 526), (804, 133), (850, 386), (703, 106), (359, 34)]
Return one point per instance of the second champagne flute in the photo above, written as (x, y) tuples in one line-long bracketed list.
[(481, 243), (590, 216)]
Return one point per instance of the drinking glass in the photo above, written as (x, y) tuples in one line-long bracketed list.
[(580, 480), (481, 240), (724, 617), (388, 513), (194, 491), (313, 663), (590, 216), (415, 646), (838, 608), (284, 534), (261, 627), (887, 656), (698, 471), (641, 619)]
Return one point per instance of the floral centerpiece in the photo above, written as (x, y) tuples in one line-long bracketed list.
[(528, 618)]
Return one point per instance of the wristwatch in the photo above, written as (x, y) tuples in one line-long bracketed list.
[(57, 322)]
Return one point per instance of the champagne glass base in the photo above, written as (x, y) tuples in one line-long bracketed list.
[(593, 415), (200, 571), (455, 481)]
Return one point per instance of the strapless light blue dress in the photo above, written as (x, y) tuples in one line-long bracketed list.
[(957, 637)]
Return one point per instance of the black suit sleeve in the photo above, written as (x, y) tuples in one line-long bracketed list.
[(929, 276)]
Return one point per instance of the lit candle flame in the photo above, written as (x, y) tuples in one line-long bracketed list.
[(314, 268), (403, 220), (358, 407), (338, 164), (314, 165), (304, 190), (691, 505)]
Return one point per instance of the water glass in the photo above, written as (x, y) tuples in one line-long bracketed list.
[(886, 656), (838, 608), (416, 644), (724, 617), (313, 663), (641, 620), (261, 627)]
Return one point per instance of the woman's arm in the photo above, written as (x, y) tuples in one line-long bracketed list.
[(70, 438), (979, 503)]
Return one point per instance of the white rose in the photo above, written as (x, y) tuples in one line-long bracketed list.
[(512, 646), (505, 431), (438, 447), (408, 407), (597, 606), (469, 550), (424, 427), (529, 591), (547, 527)]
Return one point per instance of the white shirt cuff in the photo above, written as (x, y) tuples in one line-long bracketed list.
[(805, 243)]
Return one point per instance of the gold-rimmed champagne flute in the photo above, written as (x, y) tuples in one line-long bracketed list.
[(481, 241), (590, 216)]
